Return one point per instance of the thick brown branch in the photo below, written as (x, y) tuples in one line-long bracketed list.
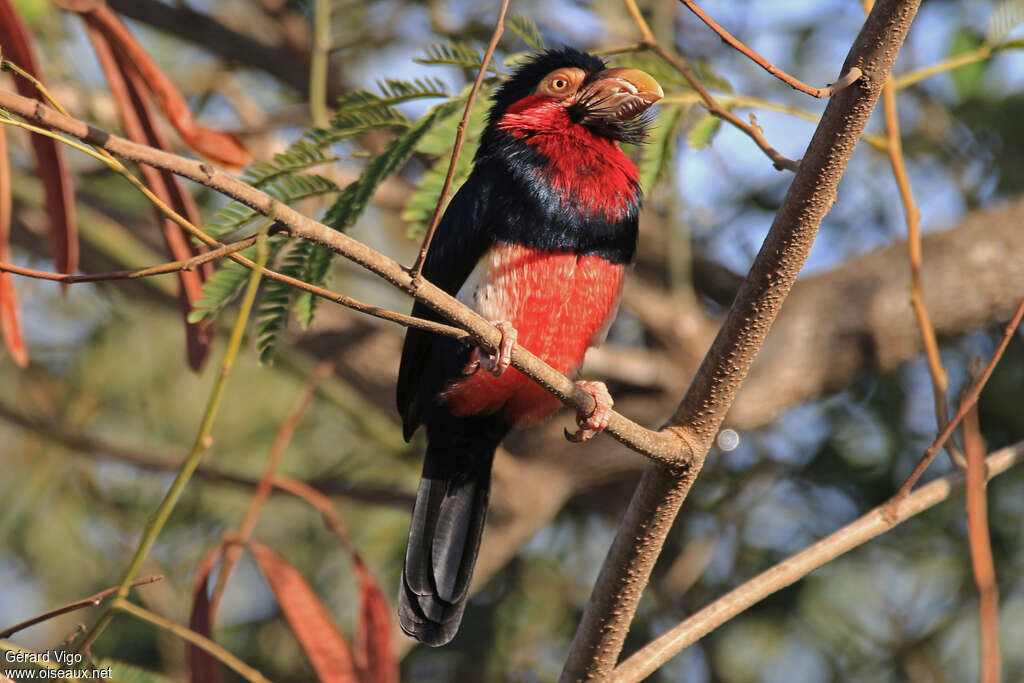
[(661, 492)]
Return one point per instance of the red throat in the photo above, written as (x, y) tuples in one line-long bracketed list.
[(589, 172)]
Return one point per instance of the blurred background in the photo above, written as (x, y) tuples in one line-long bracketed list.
[(835, 414)]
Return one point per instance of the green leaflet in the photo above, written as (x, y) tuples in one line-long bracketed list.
[(659, 152), (704, 131), (1006, 17), (354, 199), (274, 303), (285, 187), (438, 142), (284, 179), (454, 53), (227, 282), (525, 29)]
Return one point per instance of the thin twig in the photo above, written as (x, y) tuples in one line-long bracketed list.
[(981, 550), (793, 82), (219, 653), (233, 551), (162, 269), (90, 601), (969, 399), (876, 522), (940, 381), (203, 441), (460, 138), (318, 62), (649, 42)]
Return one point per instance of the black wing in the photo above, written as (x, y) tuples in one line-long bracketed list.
[(458, 244)]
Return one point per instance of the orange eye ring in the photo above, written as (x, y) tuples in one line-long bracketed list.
[(561, 82)]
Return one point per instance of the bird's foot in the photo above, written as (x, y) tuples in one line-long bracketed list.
[(591, 425), (496, 363)]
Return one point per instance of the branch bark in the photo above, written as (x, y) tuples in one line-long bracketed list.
[(662, 490)]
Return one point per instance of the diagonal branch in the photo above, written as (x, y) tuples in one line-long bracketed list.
[(752, 130), (662, 490), (874, 523), (90, 601), (791, 81)]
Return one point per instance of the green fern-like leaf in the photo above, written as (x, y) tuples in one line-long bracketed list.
[(704, 131), (659, 152), (525, 29), (393, 92), (276, 298), (454, 53), (438, 142), (1005, 19), (300, 156), (354, 198), (223, 286), (227, 282), (285, 187), (318, 264)]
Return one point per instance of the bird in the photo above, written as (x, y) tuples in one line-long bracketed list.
[(537, 241)]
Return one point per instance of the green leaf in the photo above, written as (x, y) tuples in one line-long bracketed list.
[(272, 313), (659, 152), (525, 29), (227, 282), (223, 286), (393, 92), (354, 199), (318, 264), (420, 207), (1006, 17), (704, 131), (967, 78), (285, 187), (454, 53)]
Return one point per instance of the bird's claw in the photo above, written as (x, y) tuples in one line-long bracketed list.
[(499, 362), (590, 425)]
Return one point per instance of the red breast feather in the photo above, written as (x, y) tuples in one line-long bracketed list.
[(561, 303)]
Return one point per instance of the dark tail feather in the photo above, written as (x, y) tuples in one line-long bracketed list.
[(444, 538)]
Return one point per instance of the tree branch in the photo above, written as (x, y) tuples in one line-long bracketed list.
[(792, 569), (657, 500), (752, 130), (90, 601), (793, 82)]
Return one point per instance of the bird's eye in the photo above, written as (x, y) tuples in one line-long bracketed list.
[(560, 83)]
